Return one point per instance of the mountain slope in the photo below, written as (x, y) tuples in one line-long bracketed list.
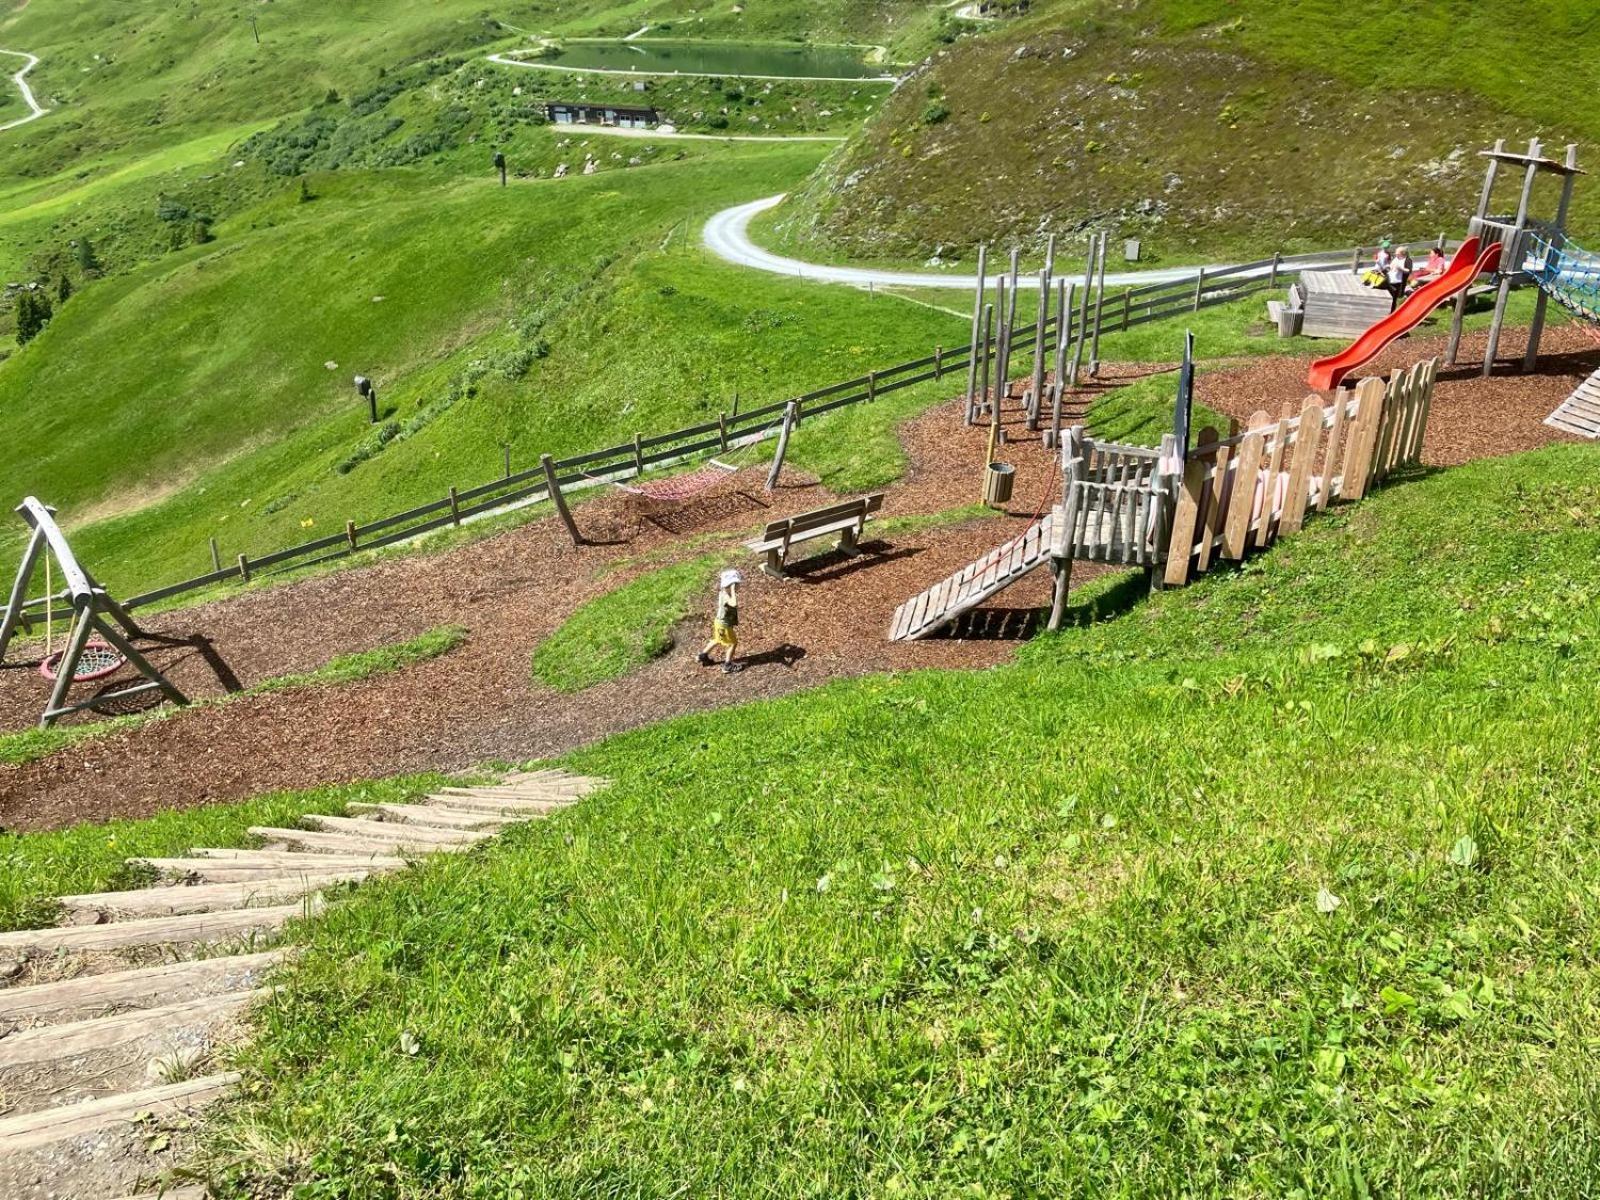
[(1204, 126)]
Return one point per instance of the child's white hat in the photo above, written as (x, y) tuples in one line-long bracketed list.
[(730, 577)]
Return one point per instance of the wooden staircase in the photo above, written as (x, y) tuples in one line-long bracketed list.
[(110, 1022), (975, 583), (1580, 412)]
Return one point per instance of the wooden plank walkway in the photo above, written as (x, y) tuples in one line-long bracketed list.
[(89, 1018), (976, 582), (1580, 412)]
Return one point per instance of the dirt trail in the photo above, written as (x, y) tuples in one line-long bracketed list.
[(20, 78), (512, 590)]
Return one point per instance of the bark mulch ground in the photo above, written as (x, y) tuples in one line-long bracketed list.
[(480, 701)]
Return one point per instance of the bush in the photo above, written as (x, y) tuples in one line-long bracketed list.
[(935, 113)]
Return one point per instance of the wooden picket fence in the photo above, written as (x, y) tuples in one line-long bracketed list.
[(1241, 493)]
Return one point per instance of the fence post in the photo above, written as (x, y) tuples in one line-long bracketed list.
[(216, 556), (350, 533), (638, 454), (455, 507), (1355, 259), (506, 449), (1277, 261), (872, 386), (722, 430), (1199, 288), (938, 361), (554, 489), (1127, 302), (244, 569)]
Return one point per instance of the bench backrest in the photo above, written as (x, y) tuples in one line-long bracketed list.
[(861, 507)]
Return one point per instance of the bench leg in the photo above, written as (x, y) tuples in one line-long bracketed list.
[(848, 544), (774, 565)]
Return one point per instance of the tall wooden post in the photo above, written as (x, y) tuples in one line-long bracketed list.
[(1002, 354), (1036, 396), (560, 501), (1530, 357), (977, 326), (1083, 314), (1099, 308), (984, 344), (1058, 385), (1509, 271), (1484, 196)]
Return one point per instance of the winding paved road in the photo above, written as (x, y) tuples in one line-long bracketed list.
[(35, 110), (727, 235)]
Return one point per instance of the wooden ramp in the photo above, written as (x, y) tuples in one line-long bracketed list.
[(974, 583), (1580, 412)]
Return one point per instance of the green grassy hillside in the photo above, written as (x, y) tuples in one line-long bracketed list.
[(1207, 126), (1275, 886)]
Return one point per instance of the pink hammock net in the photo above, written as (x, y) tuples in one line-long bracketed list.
[(681, 487)]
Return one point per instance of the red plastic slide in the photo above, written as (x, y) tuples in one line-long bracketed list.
[(1466, 266)]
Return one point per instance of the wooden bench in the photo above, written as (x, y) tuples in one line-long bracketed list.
[(847, 518)]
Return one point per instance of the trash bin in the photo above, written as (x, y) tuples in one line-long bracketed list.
[(998, 482)]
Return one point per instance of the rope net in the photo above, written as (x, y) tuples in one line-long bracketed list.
[(679, 488)]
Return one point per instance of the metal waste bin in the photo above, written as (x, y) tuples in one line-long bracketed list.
[(997, 484)]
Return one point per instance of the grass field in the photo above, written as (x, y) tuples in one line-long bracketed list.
[(1273, 886)]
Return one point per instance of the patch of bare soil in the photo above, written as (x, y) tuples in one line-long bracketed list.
[(480, 701)]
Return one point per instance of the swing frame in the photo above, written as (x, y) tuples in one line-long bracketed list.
[(94, 612)]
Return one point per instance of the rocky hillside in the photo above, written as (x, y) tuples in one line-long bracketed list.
[(1200, 127)]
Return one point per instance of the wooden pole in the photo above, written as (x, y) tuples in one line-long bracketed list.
[(1063, 315), (560, 501), (244, 569), (505, 455), (1530, 357), (1036, 394), (722, 430), (1099, 308), (988, 337), (1016, 262), (638, 454), (216, 555), (455, 506), (1199, 289), (789, 411), (977, 328), (1509, 271), (1002, 358), (1083, 315), (350, 533), (1484, 196), (19, 589), (1277, 261)]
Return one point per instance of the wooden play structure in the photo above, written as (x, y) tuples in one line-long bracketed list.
[(848, 519), (1176, 512), (100, 633)]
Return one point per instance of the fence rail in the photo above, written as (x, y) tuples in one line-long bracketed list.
[(1112, 312)]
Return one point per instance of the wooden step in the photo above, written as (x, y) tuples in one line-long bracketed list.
[(52, 1043), (396, 842), (440, 815), (368, 828), (182, 898), (25, 1131), (477, 802), (142, 987), (157, 931)]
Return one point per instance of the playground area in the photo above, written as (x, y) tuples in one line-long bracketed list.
[(478, 702)]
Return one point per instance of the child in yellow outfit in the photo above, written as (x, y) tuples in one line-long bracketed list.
[(725, 627)]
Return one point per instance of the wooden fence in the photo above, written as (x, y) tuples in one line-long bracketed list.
[(1126, 309), (1241, 493)]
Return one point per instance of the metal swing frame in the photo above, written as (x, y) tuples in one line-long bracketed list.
[(91, 606)]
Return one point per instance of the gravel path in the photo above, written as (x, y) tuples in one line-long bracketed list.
[(727, 235), (20, 78)]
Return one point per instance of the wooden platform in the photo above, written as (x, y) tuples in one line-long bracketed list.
[(1580, 412), (1337, 304), (975, 583)]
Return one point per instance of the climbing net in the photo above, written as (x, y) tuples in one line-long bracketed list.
[(679, 488)]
